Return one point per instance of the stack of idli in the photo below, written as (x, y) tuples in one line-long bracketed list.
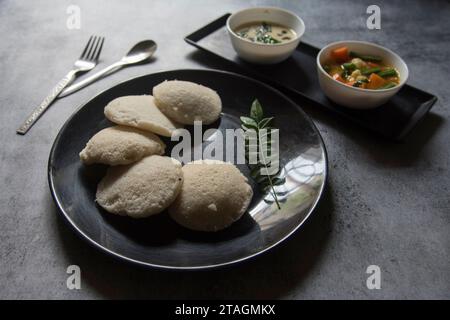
[(140, 182)]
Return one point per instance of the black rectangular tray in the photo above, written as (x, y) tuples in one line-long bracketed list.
[(298, 74)]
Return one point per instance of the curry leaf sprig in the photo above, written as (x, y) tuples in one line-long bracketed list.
[(257, 122)]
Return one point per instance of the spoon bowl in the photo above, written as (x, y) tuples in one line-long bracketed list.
[(140, 52)]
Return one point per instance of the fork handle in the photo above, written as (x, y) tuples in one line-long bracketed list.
[(36, 114)]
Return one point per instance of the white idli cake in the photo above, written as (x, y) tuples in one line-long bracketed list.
[(119, 145), (214, 194), (140, 112), (186, 102), (142, 189)]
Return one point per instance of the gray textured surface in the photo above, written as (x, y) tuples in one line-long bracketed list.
[(386, 204)]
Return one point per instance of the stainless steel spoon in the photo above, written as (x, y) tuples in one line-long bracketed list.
[(140, 52)]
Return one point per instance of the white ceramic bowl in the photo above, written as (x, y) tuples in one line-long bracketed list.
[(353, 97), (259, 52)]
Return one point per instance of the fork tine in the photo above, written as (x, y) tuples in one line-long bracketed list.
[(97, 55), (86, 47), (94, 49), (91, 48)]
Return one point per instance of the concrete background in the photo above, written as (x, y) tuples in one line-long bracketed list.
[(386, 204)]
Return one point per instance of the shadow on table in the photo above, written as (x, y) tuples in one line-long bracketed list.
[(387, 153), (271, 275), (380, 151)]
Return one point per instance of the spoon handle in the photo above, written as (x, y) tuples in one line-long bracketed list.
[(83, 83)]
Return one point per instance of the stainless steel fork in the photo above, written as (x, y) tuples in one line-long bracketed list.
[(86, 62)]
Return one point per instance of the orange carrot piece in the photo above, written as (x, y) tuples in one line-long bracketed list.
[(337, 77), (350, 83), (340, 54), (375, 81), (372, 64)]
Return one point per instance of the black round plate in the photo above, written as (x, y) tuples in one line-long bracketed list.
[(158, 241)]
